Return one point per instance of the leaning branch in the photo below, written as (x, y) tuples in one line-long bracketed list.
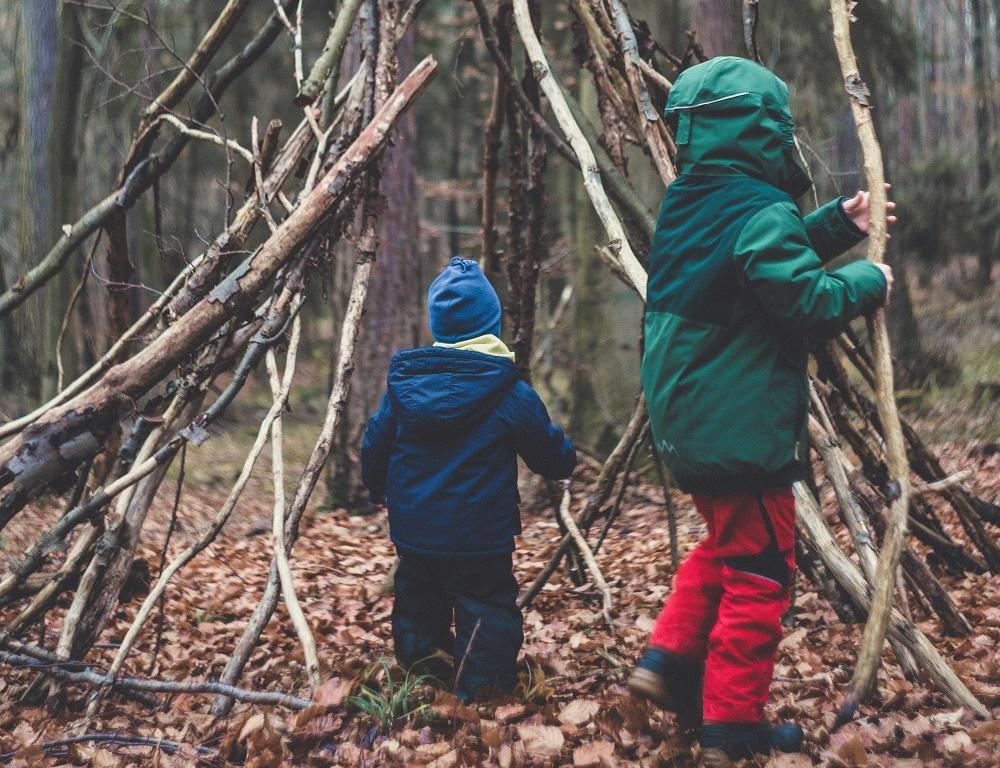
[(39, 453), (899, 468), (587, 553), (74, 234), (848, 575), (333, 52), (588, 163), (650, 118), (602, 492), (280, 398), (279, 391), (336, 406), (199, 59)]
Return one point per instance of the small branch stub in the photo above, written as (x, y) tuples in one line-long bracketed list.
[(858, 89)]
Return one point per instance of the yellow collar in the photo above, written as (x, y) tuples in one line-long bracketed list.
[(487, 344)]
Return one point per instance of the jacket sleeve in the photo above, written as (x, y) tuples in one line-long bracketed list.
[(831, 231), (787, 277), (542, 445), (376, 446)]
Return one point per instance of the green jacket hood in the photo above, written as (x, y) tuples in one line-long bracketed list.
[(731, 115)]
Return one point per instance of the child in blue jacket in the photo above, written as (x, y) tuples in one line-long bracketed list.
[(441, 453)]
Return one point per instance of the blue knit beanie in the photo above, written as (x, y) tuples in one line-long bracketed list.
[(461, 303)]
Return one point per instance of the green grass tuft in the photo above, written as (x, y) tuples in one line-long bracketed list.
[(392, 696)]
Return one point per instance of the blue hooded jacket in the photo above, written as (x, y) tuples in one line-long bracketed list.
[(442, 449)]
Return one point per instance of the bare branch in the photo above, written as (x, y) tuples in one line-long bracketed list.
[(588, 163), (333, 51), (885, 400)]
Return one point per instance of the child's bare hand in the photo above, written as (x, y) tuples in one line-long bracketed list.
[(887, 271), (858, 209)]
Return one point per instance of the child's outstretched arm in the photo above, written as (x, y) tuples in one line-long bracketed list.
[(375, 449), (786, 275), (831, 231), (840, 224), (542, 445)]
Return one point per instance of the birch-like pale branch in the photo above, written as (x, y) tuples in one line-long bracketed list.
[(279, 391), (885, 400), (587, 553), (619, 243)]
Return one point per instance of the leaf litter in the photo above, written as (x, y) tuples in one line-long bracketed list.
[(572, 707)]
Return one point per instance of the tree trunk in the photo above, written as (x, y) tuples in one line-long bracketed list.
[(586, 417), (980, 80), (718, 27), (28, 366), (392, 319)]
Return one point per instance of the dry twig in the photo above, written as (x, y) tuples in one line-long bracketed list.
[(588, 554)]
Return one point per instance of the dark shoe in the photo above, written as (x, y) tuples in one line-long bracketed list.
[(724, 743), (671, 682)]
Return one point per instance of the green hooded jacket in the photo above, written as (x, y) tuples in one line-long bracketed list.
[(737, 287)]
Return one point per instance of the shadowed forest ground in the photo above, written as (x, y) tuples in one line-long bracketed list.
[(572, 709)]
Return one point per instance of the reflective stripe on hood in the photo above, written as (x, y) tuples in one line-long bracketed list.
[(731, 115)]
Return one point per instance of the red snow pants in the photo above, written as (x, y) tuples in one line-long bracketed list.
[(728, 597)]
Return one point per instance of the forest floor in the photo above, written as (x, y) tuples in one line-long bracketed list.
[(572, 707), (960, 332)]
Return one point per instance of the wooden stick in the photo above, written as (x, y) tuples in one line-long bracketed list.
[(52, 669), (588, 163), (851, 579), (207, 136), (661, 471), (896, 524), (651, 123), (317, 459), (586, 552), (750, 10), (655, 76), (333, 51), (857, 502), (71, 567), (57, 747), (199, 59), (854, 517), (105, 548), (944, 484), (279, 392), (602, 491), (489, 259)]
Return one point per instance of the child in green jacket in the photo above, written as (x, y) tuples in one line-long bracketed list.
[(737, 290)]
